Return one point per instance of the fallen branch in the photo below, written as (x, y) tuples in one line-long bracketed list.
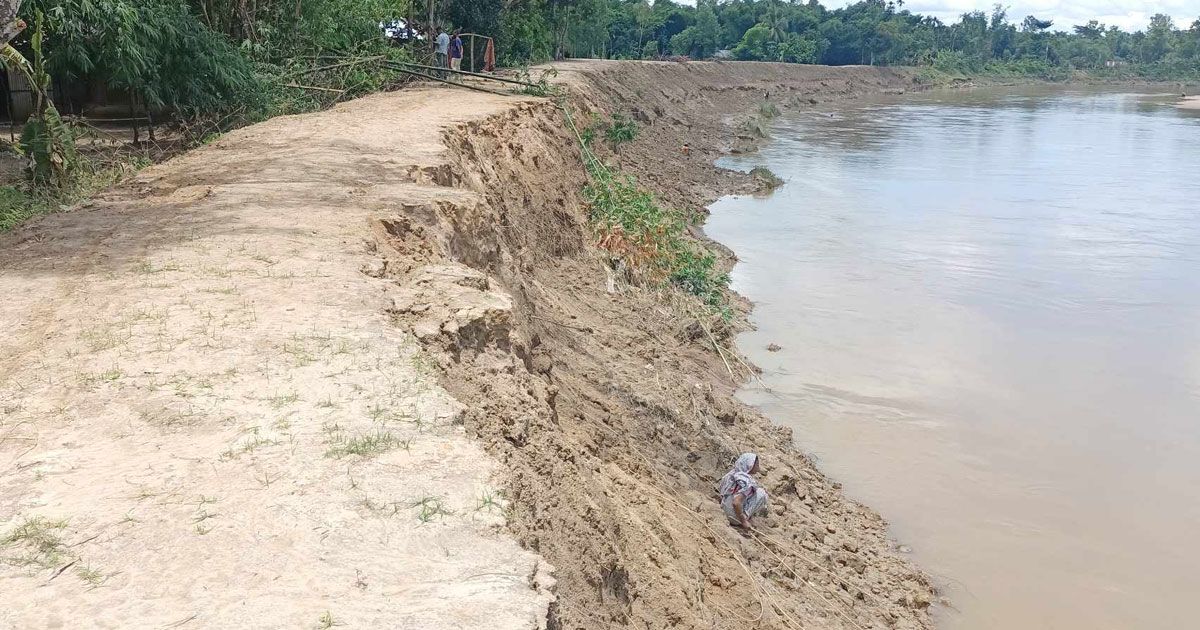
[(489, 77), (354, 62), (448, 82), (313, 87)]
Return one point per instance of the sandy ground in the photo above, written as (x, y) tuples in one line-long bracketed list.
[(1189, 102), (301, 376), (206, 419)]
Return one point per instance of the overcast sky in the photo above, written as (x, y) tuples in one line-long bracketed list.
[(1131, 15), (1128, 14)]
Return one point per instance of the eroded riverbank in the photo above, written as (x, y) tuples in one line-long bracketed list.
[(610, 411), (236, 357)]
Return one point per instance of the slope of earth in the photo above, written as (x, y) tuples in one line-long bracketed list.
[(297, 378), (611, 412)]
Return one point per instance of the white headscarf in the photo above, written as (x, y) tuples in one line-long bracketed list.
[(740, 472)]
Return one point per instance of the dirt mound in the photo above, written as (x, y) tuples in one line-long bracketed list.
[(611, 414)]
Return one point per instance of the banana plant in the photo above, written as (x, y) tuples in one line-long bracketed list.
[(46, 141)]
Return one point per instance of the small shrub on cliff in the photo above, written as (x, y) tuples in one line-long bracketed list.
[(649, 239), (621, 130), (767, 109), (617, 131), (696, 272)]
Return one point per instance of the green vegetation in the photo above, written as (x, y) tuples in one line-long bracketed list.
[(208, 65), (19, 203), (223, 62), (766, 177), (367, 445), (41, 540), (648, 240), (429, 508), (875, 32), (620, 131)]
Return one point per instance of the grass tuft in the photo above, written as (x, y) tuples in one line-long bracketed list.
[(41, 540), (365, 445), (429, 508)]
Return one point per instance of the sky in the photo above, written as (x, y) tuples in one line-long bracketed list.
[(1130, 15)]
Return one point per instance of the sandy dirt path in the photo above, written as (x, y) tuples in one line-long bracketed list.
[(206, 418)]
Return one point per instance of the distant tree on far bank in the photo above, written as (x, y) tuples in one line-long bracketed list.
[(869, 32)]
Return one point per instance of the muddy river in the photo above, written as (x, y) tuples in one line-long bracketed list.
[(989, 311)]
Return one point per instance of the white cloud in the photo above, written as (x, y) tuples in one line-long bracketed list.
[(1127, 14), (1131, 15)]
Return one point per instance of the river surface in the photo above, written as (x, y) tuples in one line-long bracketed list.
[(989, 311)]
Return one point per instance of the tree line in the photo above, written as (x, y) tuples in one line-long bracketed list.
[(195, 56), (875, 32)]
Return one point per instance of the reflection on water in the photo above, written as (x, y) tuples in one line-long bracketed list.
[(989, 307)]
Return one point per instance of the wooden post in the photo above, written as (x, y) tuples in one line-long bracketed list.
[(150, 124), (472, 52), (12, 115), (134, 121)]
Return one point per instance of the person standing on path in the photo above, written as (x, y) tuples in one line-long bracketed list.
[(456, 52), (441, 47)]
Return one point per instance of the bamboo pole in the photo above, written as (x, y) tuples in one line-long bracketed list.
[(354, 62), (449, 82), (472, 74), (313, 87)]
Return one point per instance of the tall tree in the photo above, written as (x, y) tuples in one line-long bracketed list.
[(10, 24)]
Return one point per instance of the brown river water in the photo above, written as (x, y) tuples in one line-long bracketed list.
[(989, 308)]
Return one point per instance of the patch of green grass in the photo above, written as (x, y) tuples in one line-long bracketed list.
[(111, 374), (490, 500), (18, 206), (41, 541), (23, 202), (90, 575), (617, 131), (365, 445), (147, 266), (280, 401), (648, 239), (429, 508), (620, 131), (101, 338)]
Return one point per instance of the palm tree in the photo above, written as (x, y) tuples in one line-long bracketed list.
[(776, 22)]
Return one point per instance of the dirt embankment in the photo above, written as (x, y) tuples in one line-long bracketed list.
[(610, 413), (249, 388)]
